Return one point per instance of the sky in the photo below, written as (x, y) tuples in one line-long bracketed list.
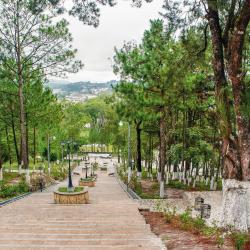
[(96, 45)]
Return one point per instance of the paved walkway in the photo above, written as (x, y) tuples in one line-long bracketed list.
[(110, 221)]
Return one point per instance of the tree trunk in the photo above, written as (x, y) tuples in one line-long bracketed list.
[(8, 144), (235, 146), (138, 149), (151, 155), (240, 96), (1, 164), (162, 153), (231, 170), (23, 129), (34, 145), (14, 138), (118, 154)]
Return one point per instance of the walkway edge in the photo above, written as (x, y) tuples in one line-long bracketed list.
[(131, 194), (6, 202)]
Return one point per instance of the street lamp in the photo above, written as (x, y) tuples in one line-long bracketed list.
[(76, 148), (86, 168), (62, 144), (70, 184), (49, 141)]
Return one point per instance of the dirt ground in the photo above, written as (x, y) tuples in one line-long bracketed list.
[(152, 188), (177, 239)]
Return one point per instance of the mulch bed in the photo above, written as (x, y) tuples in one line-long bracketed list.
[(177, 239)]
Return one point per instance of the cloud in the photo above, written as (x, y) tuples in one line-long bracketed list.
[(118, 24)]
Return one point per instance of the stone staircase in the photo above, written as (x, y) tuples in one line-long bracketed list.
[(110, 221)]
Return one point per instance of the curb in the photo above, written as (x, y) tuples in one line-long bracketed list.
[(6, 202), (131, 194), (19, 197)]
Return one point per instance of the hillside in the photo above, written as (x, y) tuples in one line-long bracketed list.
[(79, 91)]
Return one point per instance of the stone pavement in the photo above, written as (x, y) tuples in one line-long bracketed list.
[(110, 221)]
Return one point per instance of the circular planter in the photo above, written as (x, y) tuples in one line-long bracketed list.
[(87, 183), (72, 198), (104, 169)]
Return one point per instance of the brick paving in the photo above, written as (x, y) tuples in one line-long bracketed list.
[(110, 221)]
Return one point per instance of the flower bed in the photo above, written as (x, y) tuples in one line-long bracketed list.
[(89, 182), (80, 195), (104, 168)]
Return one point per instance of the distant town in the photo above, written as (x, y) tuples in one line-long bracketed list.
[(79, 91)]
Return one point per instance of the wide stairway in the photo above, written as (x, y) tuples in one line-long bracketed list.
[(110, 221)]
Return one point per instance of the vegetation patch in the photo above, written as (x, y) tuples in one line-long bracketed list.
[(65, 189), (200, 186), (10, 177), (88, 179), (197, 226), (9, 191)]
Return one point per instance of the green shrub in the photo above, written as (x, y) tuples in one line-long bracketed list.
[(169, 215), (186, 216), (240, 239), (198, 223), (23, 187), (65, 189), (156, 186), (88, 179), (57, 173), (154, 175), (177, 184), (144, 175), (95, 166), (8, 191)]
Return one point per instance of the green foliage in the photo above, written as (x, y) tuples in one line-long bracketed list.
[(169, 214), (8, 191), (240, 239), (8, 176), (186, 217), (88, 179), (58, 173), (177, 184), (65, 189)]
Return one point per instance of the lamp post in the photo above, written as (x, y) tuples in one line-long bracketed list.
[(62, 144), (70, 183), (86, 169), (49, 141)]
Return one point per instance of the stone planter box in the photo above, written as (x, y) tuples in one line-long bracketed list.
[(104, 169), (87, 183), (72, 198)]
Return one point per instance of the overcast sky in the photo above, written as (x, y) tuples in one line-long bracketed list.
[(96, 45)]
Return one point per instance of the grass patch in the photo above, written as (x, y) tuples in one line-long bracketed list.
[(8, 176), (8, 191), (65, 189), (200, 186), (87, 179)]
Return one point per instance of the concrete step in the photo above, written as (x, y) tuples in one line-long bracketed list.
[(86, 247), (74, 226), (75, 231), (80, 242), (111, 221), (33, 236)]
